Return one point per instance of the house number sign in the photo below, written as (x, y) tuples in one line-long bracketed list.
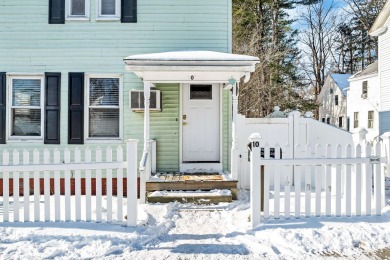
[(255, 144)]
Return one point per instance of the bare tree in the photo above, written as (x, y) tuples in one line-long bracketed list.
[(318, 22)]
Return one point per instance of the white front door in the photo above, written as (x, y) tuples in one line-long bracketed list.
[(201, 123)]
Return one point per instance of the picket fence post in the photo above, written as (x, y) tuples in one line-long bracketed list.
[(255, 180), (131, 153), (6, 187)]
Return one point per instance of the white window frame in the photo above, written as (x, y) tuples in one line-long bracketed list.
[(86, 110), (10, 78), (115, 17), (71, 17)]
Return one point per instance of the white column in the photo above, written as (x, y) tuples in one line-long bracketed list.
[(234, 151), (145, 172), (147, 86)]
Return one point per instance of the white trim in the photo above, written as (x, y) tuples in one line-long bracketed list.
[(10, 77), (185, 167), (70, 17), (115, 17), (88, 139), (229, 28)]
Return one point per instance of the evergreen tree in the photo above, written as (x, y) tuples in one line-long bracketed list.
[(262, 28)]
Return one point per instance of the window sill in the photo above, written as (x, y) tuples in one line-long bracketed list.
[(77, 19), (103, 141), (16, 140), (108, 19)]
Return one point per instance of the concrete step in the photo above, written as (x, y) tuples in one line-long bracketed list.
[(197, 197)]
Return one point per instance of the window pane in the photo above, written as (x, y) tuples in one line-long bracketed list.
[(108, 7), (104, 92), (103, 122), (201, 92), (26, 92), (78, 7), (26, 122)]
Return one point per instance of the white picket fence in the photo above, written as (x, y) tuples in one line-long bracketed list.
[(348, 181), (96, 208)]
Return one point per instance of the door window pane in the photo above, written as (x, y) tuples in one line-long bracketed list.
[(201, 92)]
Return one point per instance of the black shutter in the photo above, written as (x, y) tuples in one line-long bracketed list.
[(52, 107), (2, 107), (128, 11), (56, 11), (76, 108)]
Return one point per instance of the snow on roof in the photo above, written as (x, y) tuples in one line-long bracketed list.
[(341, 81), (379, 24), (192, 56), (370, 69)]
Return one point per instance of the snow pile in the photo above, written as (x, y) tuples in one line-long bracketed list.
[(189, 231)]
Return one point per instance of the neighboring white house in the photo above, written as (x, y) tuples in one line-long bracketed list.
[(380, 29), (333, 100), (363, 101)]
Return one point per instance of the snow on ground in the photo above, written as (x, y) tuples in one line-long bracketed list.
[(185, 231)]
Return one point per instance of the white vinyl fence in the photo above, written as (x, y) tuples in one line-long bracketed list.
[(66, 207), (291, 130), (349, 181)]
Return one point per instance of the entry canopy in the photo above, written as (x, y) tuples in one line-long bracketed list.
[(191, 66)]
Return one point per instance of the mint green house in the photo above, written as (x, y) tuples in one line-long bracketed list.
[(99, 72)]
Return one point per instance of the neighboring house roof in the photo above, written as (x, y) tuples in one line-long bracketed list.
[(341, 81), (379, 27), (371, 69)]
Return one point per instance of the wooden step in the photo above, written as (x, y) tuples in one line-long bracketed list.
[(197, 197), (190, 185)]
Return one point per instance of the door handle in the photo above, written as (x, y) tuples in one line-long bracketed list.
[(184, 117), (184, 123)]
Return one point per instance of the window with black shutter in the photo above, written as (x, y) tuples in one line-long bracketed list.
[(76, 108), (3, 101), (52, 108), (56, 11), (128, 11)]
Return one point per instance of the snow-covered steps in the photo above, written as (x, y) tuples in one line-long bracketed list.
[(197, 197), (194, 182)]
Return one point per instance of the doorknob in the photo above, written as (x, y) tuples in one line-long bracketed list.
[(184, 123), (184, 117)]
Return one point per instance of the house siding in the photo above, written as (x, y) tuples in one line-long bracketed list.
[(28, 44), (327, 108), (355, 103), (384, 71), (384, 125)]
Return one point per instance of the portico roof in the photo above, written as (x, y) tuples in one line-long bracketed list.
[(182, 66)]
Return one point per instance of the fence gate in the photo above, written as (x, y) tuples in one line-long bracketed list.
[(334, 180)]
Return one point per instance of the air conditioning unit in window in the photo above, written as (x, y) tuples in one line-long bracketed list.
[(364, 95), (137, 103)]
